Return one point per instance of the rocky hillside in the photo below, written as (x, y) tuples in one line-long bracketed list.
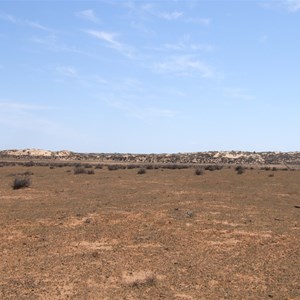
[(211, 157)]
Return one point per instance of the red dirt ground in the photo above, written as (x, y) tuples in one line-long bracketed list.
[(166, 234)]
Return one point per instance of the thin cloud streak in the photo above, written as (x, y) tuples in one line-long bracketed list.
[(184, 65), (142, 113), (88, 15), (181, 46), (8, 17), (110, 39), (200, 21), (21, 106), (293, 5), (67, 71), (171, 16), (238, 93), (52, 43), (37, 25)]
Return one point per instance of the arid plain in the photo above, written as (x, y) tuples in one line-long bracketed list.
[(165, 234)]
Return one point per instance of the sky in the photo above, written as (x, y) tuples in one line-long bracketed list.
[(140, 76)]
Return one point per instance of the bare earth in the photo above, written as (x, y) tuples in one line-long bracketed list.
[(166, 234)]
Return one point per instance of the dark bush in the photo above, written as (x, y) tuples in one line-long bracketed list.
[(88, 166), (131, 166), (199, 171), (29, 164), (90, 172), (141, 171), (240, 169), (27, 173), (21, 182), (213, 167), (113, 167), (79, 170), (98, 167), (149, 167)]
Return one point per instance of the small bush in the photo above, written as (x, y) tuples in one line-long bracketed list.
[(79, 170), (149, 167), (240, 169), (199, 171), (131, 166), (141, 171), (98, 167), (27, 173), (90, 172), (21, 182), (112, 167), (213, 167), (29, 164)]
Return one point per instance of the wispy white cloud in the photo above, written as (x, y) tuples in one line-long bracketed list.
[(8, 17), (22, 22), (66, 71), (143, 113), (52, 43), (38, 26), (171, 15), (88, 14), (292, 6), (184, 65), (199, 21), (182, 46), (22, 106), (238, 93), (110, 38)]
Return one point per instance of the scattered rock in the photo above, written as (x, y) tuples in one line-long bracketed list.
[(190, 213)]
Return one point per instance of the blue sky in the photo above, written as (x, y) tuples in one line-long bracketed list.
[(150, 76)]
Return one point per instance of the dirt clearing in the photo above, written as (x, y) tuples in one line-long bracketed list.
[(166, 234)]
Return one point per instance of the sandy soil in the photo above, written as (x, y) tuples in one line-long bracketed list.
[(167, 234)]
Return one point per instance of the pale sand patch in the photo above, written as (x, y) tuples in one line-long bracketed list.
[(264, 234), (228, 242), (144, 245), (97, 245), (138, 278), (183, 296), (226, 223)]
